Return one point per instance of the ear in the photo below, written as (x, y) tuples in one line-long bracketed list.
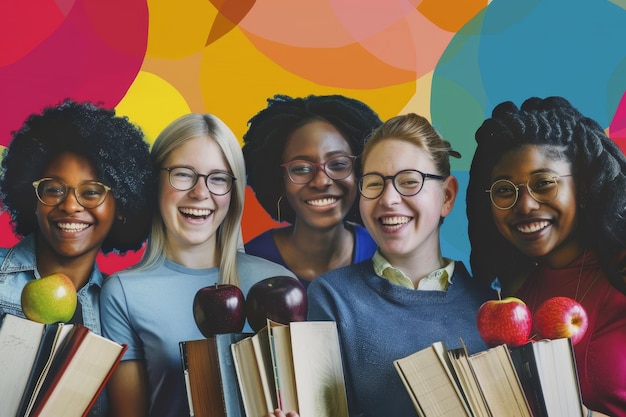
[(450, 191)]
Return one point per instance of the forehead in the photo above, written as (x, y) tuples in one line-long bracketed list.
[(392, 155), (202, 153), (67, 165), (529, 159), (316, 137)]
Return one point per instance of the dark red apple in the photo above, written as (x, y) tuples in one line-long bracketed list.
[(559, 317), (507, 321), (218, 309), (281, 299)]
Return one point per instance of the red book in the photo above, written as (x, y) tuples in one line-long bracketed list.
[(78, 374)]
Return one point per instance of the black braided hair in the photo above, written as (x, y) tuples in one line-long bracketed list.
[(269, 130), (114, 146), (598, 168)]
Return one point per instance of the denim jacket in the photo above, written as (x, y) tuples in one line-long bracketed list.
[(18, 266)]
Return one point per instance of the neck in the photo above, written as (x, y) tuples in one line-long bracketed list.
[(418, 266), (202, 256), (78, 269)]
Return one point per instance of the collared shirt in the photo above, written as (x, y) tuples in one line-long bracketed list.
[(18, 266), (437, 280)]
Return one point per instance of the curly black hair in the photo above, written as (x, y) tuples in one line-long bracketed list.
[(115, 147), (598, 167), (270, 128)]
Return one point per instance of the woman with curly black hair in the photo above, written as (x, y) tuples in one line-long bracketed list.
[(75, 179), (546, 205), (300, 158)]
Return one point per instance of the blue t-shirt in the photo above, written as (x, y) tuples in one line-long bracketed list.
[(152, 311), (264, 246)]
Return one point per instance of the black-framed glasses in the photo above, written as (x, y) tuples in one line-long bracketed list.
[(407, 183), (300, 171), (184, 178), (542, 187), (52, 191)]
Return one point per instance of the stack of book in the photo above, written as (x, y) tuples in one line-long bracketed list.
[(52, 370), (538, 379), (295, 367)]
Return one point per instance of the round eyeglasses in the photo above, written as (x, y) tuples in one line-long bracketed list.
[(185, 178), (52, 191), (300, 171), (407, 183), (542, 187)]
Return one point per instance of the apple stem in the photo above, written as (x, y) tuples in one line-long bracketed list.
[(499, 294)]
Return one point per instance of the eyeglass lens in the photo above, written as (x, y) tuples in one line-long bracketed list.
[(406, 183), (303, 172), (185, 178), (89, 194), (541, 187)]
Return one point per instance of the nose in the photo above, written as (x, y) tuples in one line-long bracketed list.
[(200, 191), (390, 195), (320, 179), (71, 204), (525, 201)]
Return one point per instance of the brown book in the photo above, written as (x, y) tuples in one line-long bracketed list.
[(295, 367), (210, 378)]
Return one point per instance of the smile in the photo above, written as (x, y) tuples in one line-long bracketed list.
[(193, 212), (72, 227), (395, 222), (322, 202), (532, 227)]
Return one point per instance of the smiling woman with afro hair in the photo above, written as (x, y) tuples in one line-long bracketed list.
[(75, 180), (302, 164)]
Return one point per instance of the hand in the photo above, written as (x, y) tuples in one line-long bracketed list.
[(586, 412), (279, 413)]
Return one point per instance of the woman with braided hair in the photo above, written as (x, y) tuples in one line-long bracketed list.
[(300, 158), (546, 207)]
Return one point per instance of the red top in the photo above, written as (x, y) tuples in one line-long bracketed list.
[(601, 354)]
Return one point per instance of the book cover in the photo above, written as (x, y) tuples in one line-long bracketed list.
[(210, 377)]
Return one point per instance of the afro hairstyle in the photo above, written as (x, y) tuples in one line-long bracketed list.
[(114, 146)]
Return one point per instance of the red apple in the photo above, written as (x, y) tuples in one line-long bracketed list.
[(281, 299), (218, 309), (559, 317), (507, 321)]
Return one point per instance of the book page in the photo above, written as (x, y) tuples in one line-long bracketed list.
[(429, 384), (280, 339), (250, 384), (499, 383), (467, 380), (318, 369)]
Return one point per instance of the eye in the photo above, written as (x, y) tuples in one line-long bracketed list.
[(91, 191), (219, 178), (373, 182), (301, 169), (503, 189), (53, 189), (339, 164), (543, 184)]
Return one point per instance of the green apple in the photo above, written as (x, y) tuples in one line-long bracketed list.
[(50, 299)]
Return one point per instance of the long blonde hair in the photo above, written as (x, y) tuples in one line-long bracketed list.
[(229, 238)]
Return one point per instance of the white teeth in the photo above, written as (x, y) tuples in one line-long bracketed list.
[(195, 212), (72, 227), (322, 202), (391, 221), (533, 227)]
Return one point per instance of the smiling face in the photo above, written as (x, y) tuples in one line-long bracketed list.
[(406, 227), (68, 229), (546, 231), (323, 202), (193, 217)]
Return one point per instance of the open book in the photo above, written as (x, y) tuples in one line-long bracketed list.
[(538, 379), (295, 367), (52, 370)]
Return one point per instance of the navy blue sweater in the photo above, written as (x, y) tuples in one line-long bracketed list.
[(379, 322)]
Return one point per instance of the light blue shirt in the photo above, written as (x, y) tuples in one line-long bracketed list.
[(18, 265)]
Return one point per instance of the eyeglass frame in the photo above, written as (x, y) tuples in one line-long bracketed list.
[(530, 192), (36, 184), (195, 182), (318, 166), (392, 178)]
